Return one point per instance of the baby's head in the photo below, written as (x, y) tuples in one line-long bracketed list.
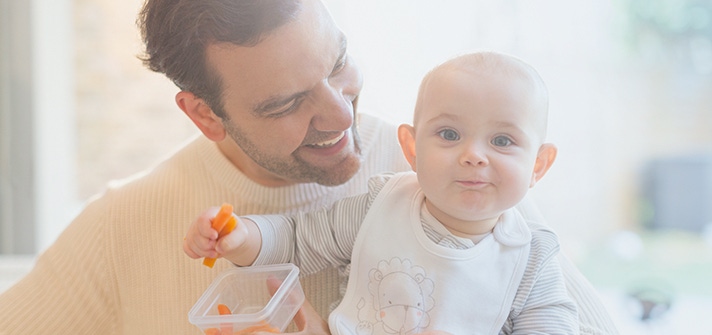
[(497, 79), (477, 139)]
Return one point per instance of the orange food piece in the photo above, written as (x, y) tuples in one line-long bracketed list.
[(226, 329), (223, 309), (223, 223), (262, 327), (220, 219), (229, 226)]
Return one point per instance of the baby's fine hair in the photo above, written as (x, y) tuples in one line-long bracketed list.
[(491, 63)]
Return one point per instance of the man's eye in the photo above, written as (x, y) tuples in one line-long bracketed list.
[(501, 141), (338, 67), (286, 109), (449, 135)]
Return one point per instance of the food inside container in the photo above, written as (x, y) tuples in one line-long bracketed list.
[(263, 298)]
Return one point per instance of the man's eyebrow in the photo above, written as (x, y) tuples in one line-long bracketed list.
[(274, 102)]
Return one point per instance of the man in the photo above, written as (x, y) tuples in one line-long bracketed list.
[(271, 87)]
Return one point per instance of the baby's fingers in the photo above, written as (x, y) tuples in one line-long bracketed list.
[(204, 224), (198, 246), (200, 239), (232, 242)]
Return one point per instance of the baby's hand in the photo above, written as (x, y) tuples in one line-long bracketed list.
[(240, 246), (201, 238)]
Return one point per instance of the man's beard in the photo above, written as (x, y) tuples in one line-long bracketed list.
[(296, 169)]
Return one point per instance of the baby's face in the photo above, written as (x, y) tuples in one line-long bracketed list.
[(476, 142)]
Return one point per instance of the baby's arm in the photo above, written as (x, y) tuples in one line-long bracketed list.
[(312, 240), (241, 246), (542, 304)]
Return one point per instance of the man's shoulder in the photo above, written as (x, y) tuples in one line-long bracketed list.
[(379, 146), (372, 129), (370, 120), (174, 170)]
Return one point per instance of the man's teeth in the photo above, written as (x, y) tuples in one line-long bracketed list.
[(329, 142)]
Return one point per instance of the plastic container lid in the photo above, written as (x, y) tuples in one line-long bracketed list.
[(246, 292)]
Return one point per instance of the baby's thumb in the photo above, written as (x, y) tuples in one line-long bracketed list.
[(232, 241)]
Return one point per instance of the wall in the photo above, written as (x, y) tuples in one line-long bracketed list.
[(612, 109)]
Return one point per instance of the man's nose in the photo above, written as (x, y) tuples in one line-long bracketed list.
[(335, 111)]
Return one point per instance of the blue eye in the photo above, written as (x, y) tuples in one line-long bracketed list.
[(501, 141), (449, 135)]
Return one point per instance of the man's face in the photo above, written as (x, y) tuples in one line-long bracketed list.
[(290, 102)]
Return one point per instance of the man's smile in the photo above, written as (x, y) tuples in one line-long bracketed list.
[(328, 143)]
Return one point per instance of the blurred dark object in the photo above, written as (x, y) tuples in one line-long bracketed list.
[(677, 193), (652, 303)]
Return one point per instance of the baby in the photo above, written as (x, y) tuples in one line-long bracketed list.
[(441, 248)]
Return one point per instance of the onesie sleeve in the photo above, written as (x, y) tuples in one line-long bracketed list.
[(593, 318), (319, 239), (542, 305)]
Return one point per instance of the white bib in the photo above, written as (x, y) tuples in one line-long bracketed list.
[(401, 282)]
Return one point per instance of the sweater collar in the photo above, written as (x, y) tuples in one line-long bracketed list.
[(282, 199)]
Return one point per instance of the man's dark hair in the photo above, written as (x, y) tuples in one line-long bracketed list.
[(176, 34)]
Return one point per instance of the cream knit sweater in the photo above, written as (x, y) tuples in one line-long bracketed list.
[(119, 267)]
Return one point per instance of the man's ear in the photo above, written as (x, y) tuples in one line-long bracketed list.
[(406, 137), (202, 115), (544, 159)]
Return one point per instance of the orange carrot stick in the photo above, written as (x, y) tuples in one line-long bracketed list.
[(229, 226), (225, 328), (221, 219), (262, 327), (223, 309)]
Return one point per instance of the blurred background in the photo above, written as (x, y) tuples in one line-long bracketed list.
[(630, 82)]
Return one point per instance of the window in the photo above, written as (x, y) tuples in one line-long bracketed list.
[(37, 151)]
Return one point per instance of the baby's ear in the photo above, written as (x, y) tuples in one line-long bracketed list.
[(202, 115), (406, 137), (544, 159)]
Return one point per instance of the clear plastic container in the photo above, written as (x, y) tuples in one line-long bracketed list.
[(246, 292)]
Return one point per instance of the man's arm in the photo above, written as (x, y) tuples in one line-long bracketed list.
[(593, 316), (69, 290)]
